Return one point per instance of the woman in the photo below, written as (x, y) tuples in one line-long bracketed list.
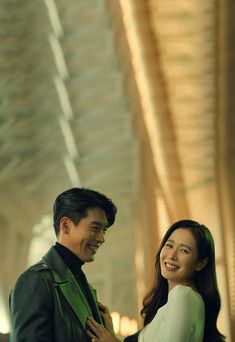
[(184, 303)]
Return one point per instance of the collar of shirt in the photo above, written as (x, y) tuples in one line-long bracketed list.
[(72, 261)]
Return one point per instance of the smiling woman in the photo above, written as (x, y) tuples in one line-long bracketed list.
[(184, 302), (185, 288), (179, 259)]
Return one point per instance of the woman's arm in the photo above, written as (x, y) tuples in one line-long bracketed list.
[(106, 317)]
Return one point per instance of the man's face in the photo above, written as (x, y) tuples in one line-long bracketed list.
[(85, 238)]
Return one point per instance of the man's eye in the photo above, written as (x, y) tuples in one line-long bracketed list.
[(168, 245)]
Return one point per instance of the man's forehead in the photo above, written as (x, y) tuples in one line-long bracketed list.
[(103, 222), (97, 216)]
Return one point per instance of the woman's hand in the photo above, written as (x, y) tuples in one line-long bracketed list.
[(98, 333), (107, 319)]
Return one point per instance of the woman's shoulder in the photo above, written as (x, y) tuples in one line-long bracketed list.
[(183, 289), (184, 298), (186, 293)]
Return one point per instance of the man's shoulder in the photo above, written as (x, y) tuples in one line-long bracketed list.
[(39, 267), (43, 264), (35, 271)]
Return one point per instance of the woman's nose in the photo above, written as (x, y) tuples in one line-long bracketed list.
[(172, 254)]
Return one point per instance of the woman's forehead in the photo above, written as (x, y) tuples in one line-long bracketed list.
[(183, 236)]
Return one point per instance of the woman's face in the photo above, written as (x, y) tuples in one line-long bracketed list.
[(179, 258)]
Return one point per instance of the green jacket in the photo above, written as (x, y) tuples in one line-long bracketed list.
[(47, 304)]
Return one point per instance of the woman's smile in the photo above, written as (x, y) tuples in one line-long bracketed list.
[(171, 267)]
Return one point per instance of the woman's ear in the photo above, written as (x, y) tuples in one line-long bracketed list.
[(201, 264)]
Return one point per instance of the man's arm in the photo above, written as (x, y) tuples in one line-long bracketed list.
[(31, 309)]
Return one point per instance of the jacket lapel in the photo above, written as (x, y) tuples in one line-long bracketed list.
[(64, 279)]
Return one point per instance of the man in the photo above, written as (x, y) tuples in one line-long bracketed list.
[(52, 299)]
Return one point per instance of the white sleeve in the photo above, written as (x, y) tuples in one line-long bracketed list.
[(181, 316), (179, 319)]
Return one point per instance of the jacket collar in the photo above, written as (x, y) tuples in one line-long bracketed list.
[(64, 279)]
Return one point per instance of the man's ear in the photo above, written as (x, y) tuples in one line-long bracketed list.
[(201, 264), (65, 225)]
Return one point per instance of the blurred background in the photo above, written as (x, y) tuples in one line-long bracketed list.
[(135, 99)]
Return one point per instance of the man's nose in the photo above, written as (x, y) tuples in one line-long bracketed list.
[(100, 236)]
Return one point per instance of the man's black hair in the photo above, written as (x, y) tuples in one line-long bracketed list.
[(73, 203)]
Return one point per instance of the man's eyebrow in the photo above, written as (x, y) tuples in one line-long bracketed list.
[(100, 224), (97, 222)]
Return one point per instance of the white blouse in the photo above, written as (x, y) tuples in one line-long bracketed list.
[(181, 319)]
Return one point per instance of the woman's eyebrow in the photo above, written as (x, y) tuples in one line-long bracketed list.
[(181, 244), (169, 240)]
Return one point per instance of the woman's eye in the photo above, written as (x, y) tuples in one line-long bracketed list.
[(168, 245), (184, 250)]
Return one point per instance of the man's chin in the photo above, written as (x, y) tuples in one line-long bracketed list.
[(90, 259)]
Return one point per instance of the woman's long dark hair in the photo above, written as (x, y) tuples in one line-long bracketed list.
[(204, 280)]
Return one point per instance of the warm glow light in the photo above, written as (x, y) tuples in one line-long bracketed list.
[(123, 326), (116, 321), (132, 327), (4, 321)]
